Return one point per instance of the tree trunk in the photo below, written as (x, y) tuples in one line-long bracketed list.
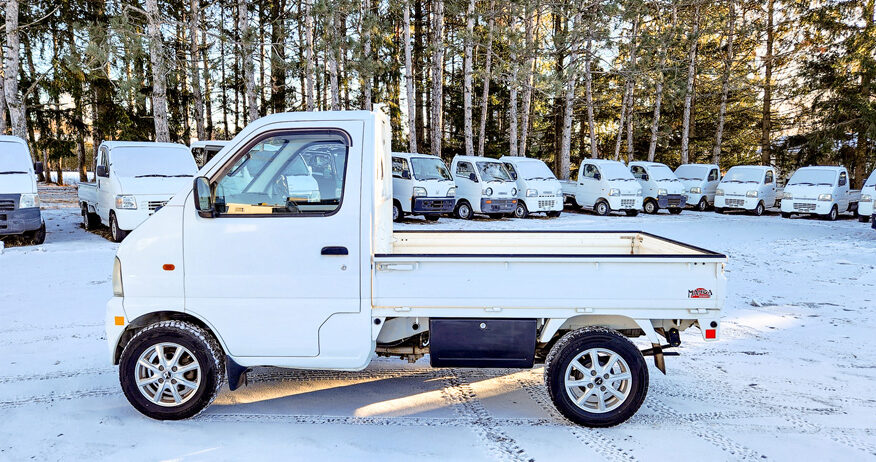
[(725, 84), (588, 87), (658, 97), (485, 98), (159, 73), (247, 60), (278, 56), (565, 163), (765, 148), (621, 122), (859, 171), (467, 80), (3, 121), (531, 40), (14, 101), (437, 75), (409, 81), (632, 82), (308, 66), (512, 104), (208, 84), (198, 99), (366, 71), (419, 72), (688, 94), (332, 62)]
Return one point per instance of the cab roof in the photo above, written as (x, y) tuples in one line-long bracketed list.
[(824, 167), (474, 159), (141, 144), (204, 144), (644, 163), (408, 155)]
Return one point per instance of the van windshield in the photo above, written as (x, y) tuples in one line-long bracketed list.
[(140, 162), (13, 159), (534, 170), (493, 171), (692, 172), (616, 171), (812, 177), (660, 173), (743, 175), (429, 168)]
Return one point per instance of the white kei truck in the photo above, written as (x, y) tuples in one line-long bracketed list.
[(19, 199), (132, 181), (538, 190), (604, 186), (484, 186), (232, 276), (661, 189), (868, 196), (748, 187), (421, 185), (700, 182), (819, 190)]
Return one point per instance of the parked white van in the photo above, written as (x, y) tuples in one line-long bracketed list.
[(421, 185), (605, 186), (538, 190), (19, 199), (660, 187), (868, 196), (700, 182), (822, 191), (203, 151), (747, 187), (132, 181), (483, 185)]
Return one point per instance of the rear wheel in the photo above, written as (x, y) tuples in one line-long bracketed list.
[(37, 236), (863, 219), (786, 214), (650, 206), (89, 220), (554, 213), (431, 217), (596, 377), (117, 233), (463, 211), (171, 370), (602, 208), (631, 213), (397, 213), (521, 211), (703, 205)]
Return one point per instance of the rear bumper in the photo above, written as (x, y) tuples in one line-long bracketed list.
[(20, 220), (498, 205), (432, 204), (671, 201), (807, 206), (543, 204)]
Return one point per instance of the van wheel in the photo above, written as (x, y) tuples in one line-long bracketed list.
[(116, 233), (37, 236), (463, 211), (171, 370), (831, 216), (703, 205), (602, 208), (631, 213), (89, 220), (675, 211), (554, 213), (521, 210), (650, 206), (596, 377), (397, 213), (431, 217), (759, 209)]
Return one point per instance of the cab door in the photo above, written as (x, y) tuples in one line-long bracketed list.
[(842, 192), (589, 184), (712, 181), (769, 187), (271, 268), (105, 196)]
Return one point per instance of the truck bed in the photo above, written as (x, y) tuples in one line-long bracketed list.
[(520, 274)]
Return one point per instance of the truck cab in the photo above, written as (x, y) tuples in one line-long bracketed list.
[(868, 195), (203, 151), (819, 190), (605, 186), (132, 181), (483, 186), (700, 182), (538, 190), (661, 189), (747, 187), (19, 199), (421, 185)]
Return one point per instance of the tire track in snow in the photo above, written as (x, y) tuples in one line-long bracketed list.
[(376, 421), (52, 397), (55, 375)]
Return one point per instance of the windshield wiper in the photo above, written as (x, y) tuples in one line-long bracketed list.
[(153, 175), (824, 184), (802, 182), (734, 181), (181, 176), (11, 172)]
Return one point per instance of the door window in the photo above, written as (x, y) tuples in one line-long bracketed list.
[(511, 171), (298, 173), (768, 179), (713, 175), (638, 172), (103, 161), (590, 171), (400, 165), (464, 169), (842, 179)]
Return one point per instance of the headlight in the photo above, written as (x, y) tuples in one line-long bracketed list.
[(787, 195), (559, 193), (531, 193), (661, 192), (451, 192), (825, 197), (29, 201), (118, 290), (513, 191), (866, 198), (419, 192), (751, 194), (614, 192), (719, 192), (126, 202), (488, 192), (696, 190)]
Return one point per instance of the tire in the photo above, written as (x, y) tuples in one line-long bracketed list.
[(37, 236), (521, 211), (554, 213), (196, 346), (863, 219), (397, 213), (719, 210), (464, 211), (675, 211), (116, 233), (758, 209), (831, 216), (786, 214), (631, 213), (431, 217), (602, 208), (650, 206), (703, 205), (576, 346), (89, 220)]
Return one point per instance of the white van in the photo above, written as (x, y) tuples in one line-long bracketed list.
[(604, 186), (747, 187), (421, 185), (203, 151), (19, 200), (868, 195), (822, 191), (132, 181), (483, 185), (538, 190), (700, 182), (660, 187)]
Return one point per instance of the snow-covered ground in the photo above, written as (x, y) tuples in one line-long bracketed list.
[(794, 377)]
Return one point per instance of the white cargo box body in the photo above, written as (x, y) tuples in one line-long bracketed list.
[(547, 275)]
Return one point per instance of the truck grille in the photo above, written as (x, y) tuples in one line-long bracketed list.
[(7, 205), (674, 201), (735, 202), (542, 204), (628, 203), (803, 207), (155, 205)]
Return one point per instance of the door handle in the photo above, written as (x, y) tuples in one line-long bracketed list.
[(335, 251)]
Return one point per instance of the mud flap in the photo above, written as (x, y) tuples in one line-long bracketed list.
[(236, 374)]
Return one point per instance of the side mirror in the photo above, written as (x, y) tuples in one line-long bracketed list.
[(473, 177), (597, 176), (203, 198), (101, 171), (38, 168), (645, 177), (406, 174)]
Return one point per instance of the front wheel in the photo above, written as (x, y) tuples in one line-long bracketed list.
[(650, 206), (703, 205), (38, 236), (397, 213), (602, 208), (759, 209), (596, 377), (521, 211), (116, 233), (171, 370), (463, 211), (831, 216)]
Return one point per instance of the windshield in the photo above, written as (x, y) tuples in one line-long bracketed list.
[(533, 170), (872, 180), (616, 171), (692, 172), (14, 158), (493, 171), (813, 176), (743, 175), (140, 162), (430, 168), (660, 173)]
